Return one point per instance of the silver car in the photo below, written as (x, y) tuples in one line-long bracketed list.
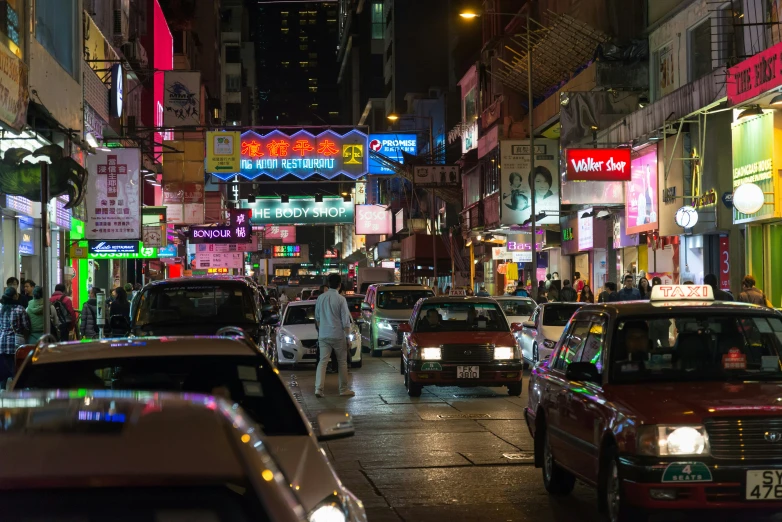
[(84, 455), (385, 307), (230, 367)]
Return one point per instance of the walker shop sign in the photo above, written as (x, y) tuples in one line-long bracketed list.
[(113, 247), (755, 75), (598, 164), (372, 219), (113, 200), (302, 155), (390, 145), (304, 211)]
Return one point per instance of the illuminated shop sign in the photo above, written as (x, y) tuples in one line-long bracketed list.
[(391, 145), (754, 76), (598, 164), (239, 231), (567, 234), (305, 211), (113, 247), (302, 154), (286, 251)]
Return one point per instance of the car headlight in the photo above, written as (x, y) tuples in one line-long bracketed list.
[(384, 325), (331, 512), (431, 354), (503, 352), (548, 343), (673, 440), (288, 339)]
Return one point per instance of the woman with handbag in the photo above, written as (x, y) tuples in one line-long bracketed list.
[(35, 311), (14, 329)]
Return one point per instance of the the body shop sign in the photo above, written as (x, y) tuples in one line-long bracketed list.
[(372, 219), (753, 162), (598, 164), (755, 76), (304, 211)]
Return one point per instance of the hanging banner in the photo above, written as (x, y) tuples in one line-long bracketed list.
[(181, 98), (13, 82), (113, 198), (754, 76), (222, 151), (373, 219), (516, 180), (641, 197)]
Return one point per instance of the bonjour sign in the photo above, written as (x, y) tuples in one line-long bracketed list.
[(754, 76), (598, 164)]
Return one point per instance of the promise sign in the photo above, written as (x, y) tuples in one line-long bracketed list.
[(598, 164)]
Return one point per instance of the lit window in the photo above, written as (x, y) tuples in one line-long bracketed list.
[(313, 89), (377, 21), (284, 30), (286, 64), (313, 55), (312, 81), (304, 64), (312, 21), (284, 13), (302, 38), (335, 113)]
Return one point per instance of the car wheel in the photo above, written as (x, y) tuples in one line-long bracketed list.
[(611, 498), (514, 389), (413, 388), (357, 364), (556, 480), (535, 354)]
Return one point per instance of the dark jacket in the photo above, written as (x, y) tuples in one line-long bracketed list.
[(722, 295), (753, 295), (629, 294), (119, 308), (568, 295), (89, 319)]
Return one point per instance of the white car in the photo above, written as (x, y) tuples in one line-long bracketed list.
[(517, 309), (297, 339), (541, 332), (227, 367)]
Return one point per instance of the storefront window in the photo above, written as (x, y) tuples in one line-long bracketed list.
[(471, 184)]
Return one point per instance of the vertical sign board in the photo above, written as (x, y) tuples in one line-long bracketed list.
[(641, 196), (725, 263), (181, 98), (113, 198), (516, 179), (222, 151)]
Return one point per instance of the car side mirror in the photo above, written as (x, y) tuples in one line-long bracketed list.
[(516, 327), (405, 328), (582, 371), (528, 324), (333, 425)]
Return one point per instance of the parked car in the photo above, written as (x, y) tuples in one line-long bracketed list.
[(94, 455), (354, 304), (385, 307), (517, 309), (459, 341), (666, 405), (541, 332), (230, 367)]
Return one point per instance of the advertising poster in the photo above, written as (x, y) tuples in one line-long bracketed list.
[(665, 69), (222, 151), (373, 219), (391, 146), (182, 98), (641, 197), (184, 202), (516, 180), (113, 199)]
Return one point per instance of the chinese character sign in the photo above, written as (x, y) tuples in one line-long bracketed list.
[(302, 154), (286, 233), (372, 219), (286, 251), (113, 200), (240, 224)]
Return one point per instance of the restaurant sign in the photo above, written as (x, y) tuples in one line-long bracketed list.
[(598, 164), (755, 76)]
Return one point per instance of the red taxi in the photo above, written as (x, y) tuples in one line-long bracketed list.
[(354, 304), (671, 404), (459, 341)]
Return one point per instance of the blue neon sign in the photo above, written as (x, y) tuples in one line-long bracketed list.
[(390, 145)]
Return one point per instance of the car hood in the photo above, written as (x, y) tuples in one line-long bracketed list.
[(304, 466), (394, 315), (301, 331), (688, 402), (194, 328), (438, 338)]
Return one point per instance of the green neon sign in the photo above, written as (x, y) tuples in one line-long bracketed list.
[(143, 253)]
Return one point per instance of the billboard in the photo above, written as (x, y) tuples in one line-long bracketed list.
[(391, 145), (113, 199), (373, 219), (641, 197), (301, 211), (598, 164), (516, 179)]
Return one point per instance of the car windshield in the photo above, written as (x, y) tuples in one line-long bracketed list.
[(558, 314), (305, 294), (247, 380), (221, 501), (517, 307), (228, 303), (354, 303), (299, 315), (686, 347), (401, 299), (461, 316)]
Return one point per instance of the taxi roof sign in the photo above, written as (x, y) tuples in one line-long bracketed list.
[(682, 293), (458, 292)]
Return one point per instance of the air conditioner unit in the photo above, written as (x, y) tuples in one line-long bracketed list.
[(136, 54), (121, 22)]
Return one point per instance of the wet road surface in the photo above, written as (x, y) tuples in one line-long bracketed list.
[(454, 454)]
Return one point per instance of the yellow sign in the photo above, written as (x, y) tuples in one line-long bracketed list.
[(223, 151), (188, 273), (78, 252)]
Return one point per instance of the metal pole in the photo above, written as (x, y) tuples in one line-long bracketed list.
[(533, 272), (45, 237), (434, 201)]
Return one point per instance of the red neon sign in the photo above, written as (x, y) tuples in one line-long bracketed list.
[(303, 147), (327, 148), (252, 148), (755, 75), (598, 164)]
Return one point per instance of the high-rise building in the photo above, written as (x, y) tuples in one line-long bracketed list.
[(238, 83), (296, 46)]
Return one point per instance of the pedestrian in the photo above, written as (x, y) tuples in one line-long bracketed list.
[(609, 291), (482, 292), (27, 292), (137, 288), (644, 288), (542, 294), (129, 291), (751, 293), (719, 294), (567, 294), (628, 293), (65, 313), (120, 307), (89, 315), (586, 295), (35, 312), (578, 283), (447, 290), (656, 281), (553, 294), (14, 329), (548, 282), (332, 321)]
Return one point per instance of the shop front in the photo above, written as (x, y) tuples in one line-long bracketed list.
[(584, 241), (627, 246), (641, 211)]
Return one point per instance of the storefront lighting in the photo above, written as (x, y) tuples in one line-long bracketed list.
[(469, 14), (686, 217), (91, 140), (392, 117), (776, 101), (748, 113), (748, 198)]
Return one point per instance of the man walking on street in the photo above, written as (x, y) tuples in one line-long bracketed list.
[(332, 320), (629, 292), (719, 294), (751, 293)]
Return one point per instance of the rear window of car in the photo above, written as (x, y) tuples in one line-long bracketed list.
[(516, 307), (229, 303), (401, 299), (559, 314), (248, 381), (354, 303)]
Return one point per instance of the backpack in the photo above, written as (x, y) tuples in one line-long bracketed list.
[(62, 312)]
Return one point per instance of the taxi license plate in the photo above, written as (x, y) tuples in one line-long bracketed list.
[(310, 351), (764, 484), (467, 372)]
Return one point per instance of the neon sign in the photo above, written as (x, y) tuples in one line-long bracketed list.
[(302, 154), (286, 251)]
